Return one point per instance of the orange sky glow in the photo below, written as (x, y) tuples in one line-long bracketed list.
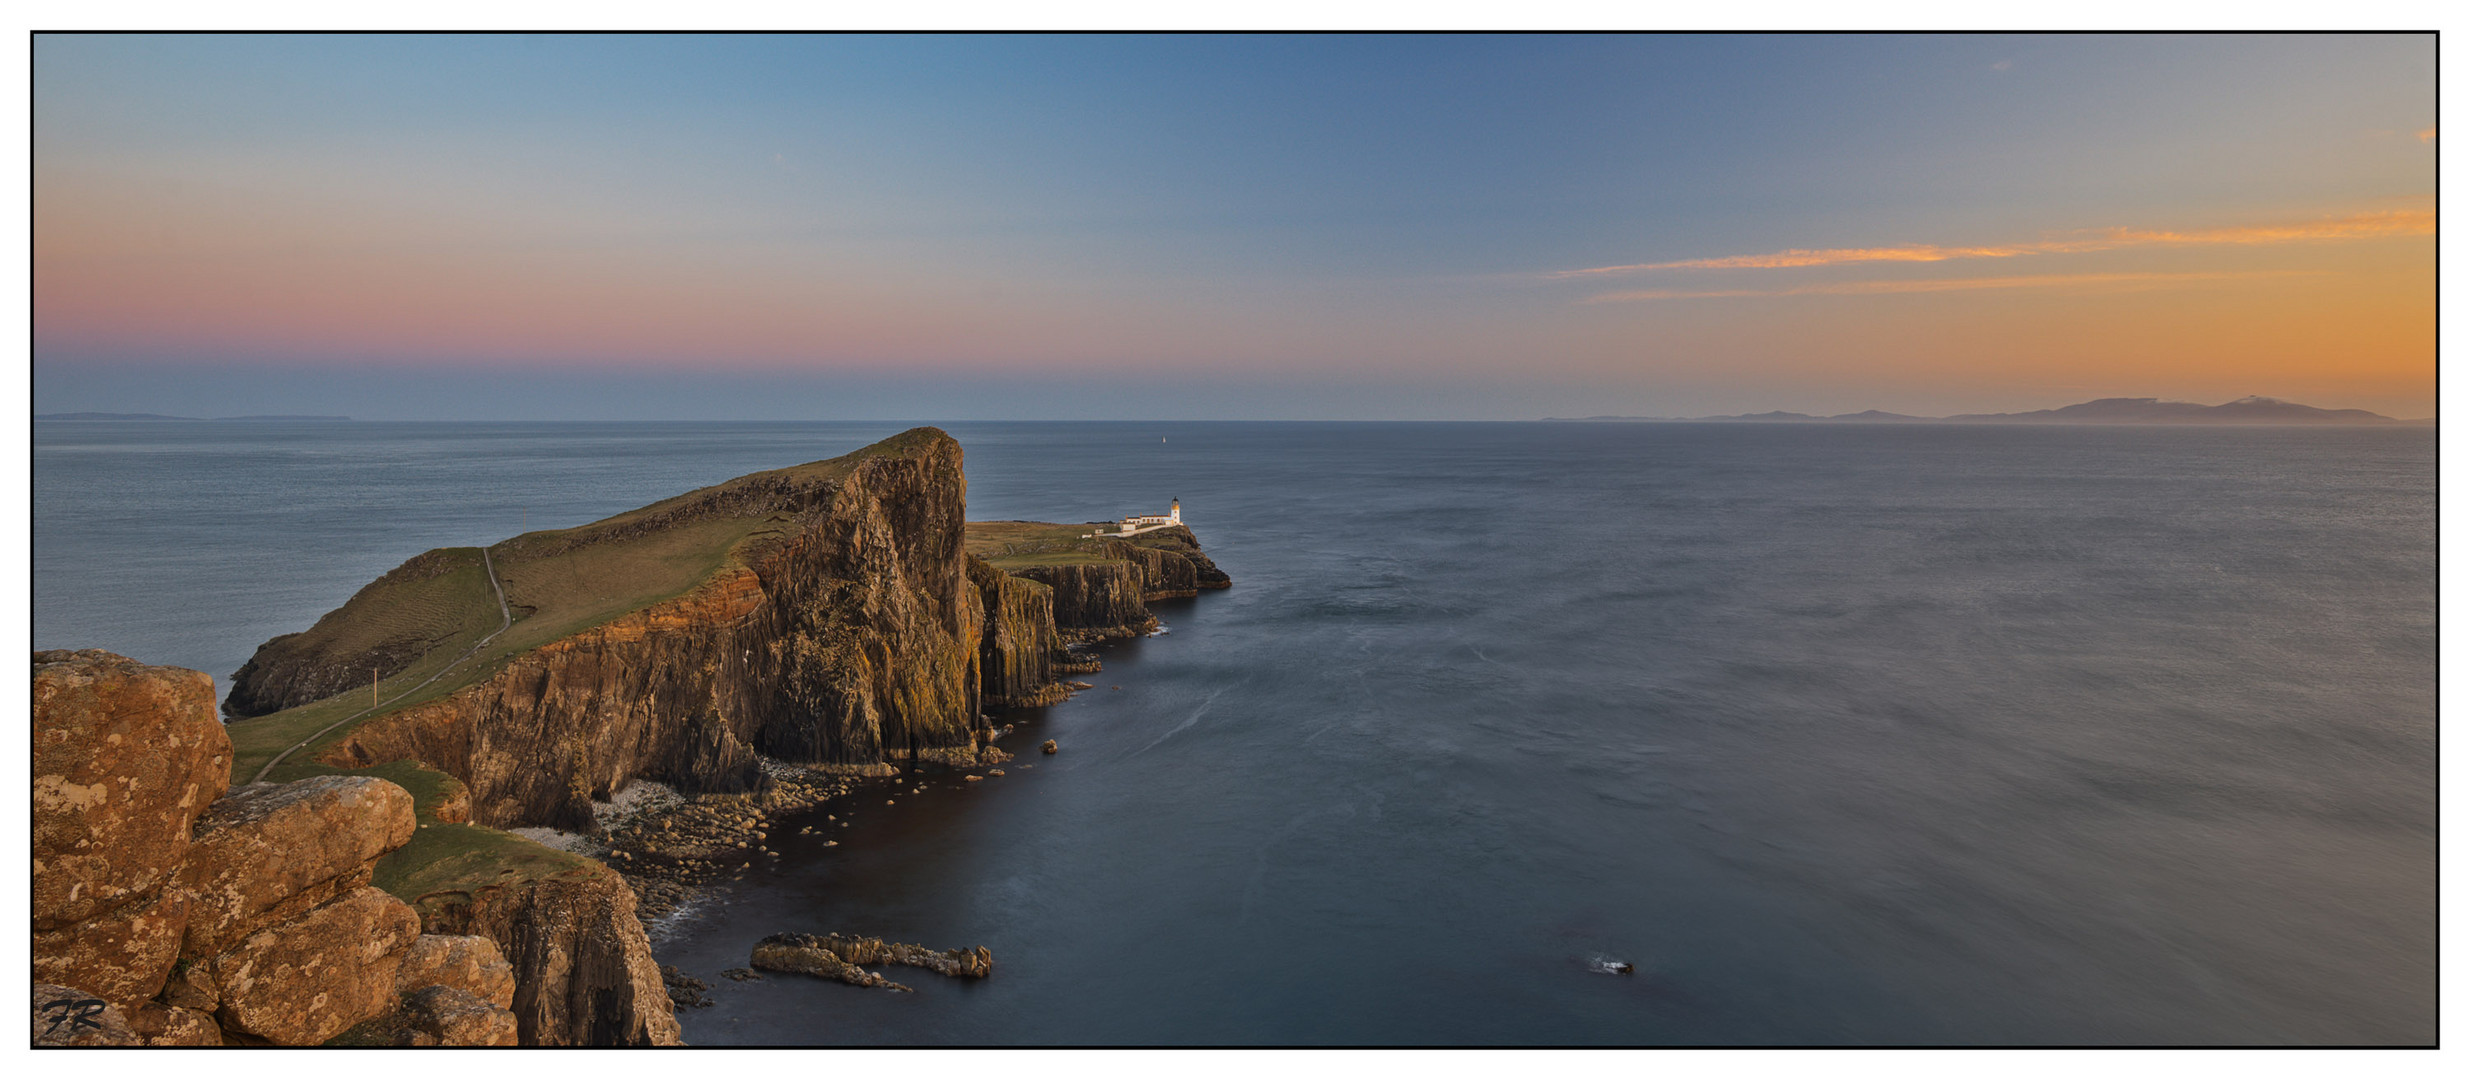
[(2128, 247)]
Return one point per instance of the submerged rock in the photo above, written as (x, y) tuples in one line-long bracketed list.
[(685, 991)]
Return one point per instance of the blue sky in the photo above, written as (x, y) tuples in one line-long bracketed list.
[(1242, 226)]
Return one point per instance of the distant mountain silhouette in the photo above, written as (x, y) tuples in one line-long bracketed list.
[(2246, 410)]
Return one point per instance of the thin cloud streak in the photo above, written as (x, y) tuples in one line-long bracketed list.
[(2356, 227), (1876, 288)]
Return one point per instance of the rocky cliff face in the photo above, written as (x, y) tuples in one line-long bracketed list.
[(1095, 600), (1110, 599), (191, 920), (854, 637), (1019, 648), (583, 971), (846, 626), (1180, 544)]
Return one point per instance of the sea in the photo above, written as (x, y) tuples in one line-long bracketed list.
[(1830, 734)]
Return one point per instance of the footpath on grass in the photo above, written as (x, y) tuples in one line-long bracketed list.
[(506, 621)]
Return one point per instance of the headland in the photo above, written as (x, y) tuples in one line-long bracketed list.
[(748, 649)]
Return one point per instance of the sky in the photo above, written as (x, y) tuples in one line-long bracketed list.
[(1255, 227)]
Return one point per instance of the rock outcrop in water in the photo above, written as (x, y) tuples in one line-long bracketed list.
[(839, 956)]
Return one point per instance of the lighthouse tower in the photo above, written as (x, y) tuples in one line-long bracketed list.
[(1175, 511)]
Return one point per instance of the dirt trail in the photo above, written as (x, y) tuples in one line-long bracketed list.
[(506, 621)]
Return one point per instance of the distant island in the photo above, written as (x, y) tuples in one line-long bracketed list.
[(2246, 410), (145, 416)]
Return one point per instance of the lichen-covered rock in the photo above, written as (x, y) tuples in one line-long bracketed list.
[(191, 986), (464, 961), (123, 955), (67, 1017), (791, 953), (302, 982), (268, 852), (170, 1025), (452, 1016), (975, 963), (126, 756)]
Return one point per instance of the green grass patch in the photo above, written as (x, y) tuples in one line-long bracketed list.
[(1018, 545), (447, 857), (256, 741), (428, 786), (575, 589), (465, 858), (451, 856)]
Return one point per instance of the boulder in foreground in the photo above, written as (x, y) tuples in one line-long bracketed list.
[(126, 756)]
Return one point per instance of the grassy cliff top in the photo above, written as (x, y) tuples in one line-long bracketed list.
[(1013, 545), (1018, 545), (558, 582)]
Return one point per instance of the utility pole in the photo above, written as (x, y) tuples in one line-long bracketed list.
[(373, 688)]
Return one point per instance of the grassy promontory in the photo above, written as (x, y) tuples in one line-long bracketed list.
[(838, 615), (432, 622), (422, 618), (1019, 545)]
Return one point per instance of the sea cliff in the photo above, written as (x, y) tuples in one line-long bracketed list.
[(823, 619)]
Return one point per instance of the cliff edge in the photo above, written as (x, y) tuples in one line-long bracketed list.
[(838, 615)]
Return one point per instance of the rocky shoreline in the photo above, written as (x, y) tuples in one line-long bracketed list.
[(608, 766)]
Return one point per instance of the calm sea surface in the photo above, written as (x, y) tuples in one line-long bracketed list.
[(1840, 734)]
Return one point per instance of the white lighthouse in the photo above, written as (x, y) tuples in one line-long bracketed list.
[(1143, 523)]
